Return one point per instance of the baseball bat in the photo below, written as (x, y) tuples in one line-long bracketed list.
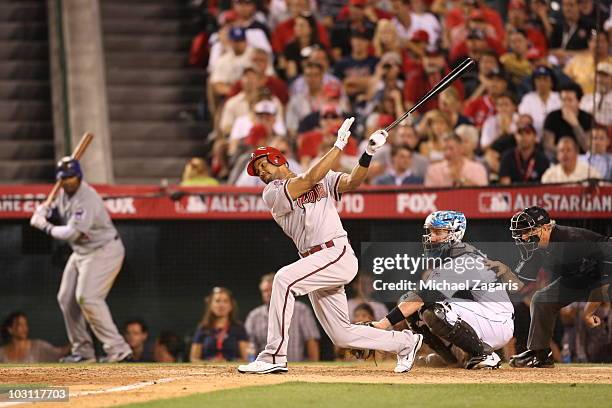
[(76, 154), (440, 86)]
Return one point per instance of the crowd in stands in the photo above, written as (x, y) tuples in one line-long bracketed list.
[(285, 73)]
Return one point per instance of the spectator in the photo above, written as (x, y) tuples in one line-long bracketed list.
[(197, 174), (594, 12), (362, 293), (539, 103), (419, 82), (518, 19), (355, 70), (169, 348), (480, 106), (515, 61), (266, 114), (593, 332), (469, 138), (303, 331), (19, 348), (284, 33), (250, 19), (386, 39), (219, 336), (601, 98), (569, 168), (581, 68), (434, 127), (569, 34), (502, 124), (408, 22), (363, 313), (455, 170), (450, 106), (474, 80), (598, 157), (306, 36), (356, 20), (317, 56), (567, 121), (407, 135), (260, 63), (400, 173), (305, 103), (475, 44), (230, 66), (136, 334), (460, 16), (525, 163)]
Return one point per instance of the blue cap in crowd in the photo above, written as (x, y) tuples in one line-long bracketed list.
[(237, 34)]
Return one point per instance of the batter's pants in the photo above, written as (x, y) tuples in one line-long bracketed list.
[(322, 276), (86, 281)]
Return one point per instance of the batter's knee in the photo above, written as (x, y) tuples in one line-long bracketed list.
[(282, 278)]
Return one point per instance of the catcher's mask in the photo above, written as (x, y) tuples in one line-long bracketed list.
[(526, 227), (453, 222), (272, 154)]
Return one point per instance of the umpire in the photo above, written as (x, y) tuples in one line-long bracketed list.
[(91, 269), (576, 261)]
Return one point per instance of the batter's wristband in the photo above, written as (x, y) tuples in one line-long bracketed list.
[(395, 316), (365, 159)]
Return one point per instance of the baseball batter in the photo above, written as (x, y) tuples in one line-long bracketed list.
[(304, 206), (91, 269)]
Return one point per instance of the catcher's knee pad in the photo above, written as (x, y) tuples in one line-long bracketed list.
[(458, 333), (434, 342)]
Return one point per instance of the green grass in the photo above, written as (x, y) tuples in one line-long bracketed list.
[(340, 395)]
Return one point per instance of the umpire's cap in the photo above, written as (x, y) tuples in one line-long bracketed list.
[(68, 167)]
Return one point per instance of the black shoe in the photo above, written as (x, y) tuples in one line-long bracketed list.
[(533, 358), (121, 358), (486, 362)]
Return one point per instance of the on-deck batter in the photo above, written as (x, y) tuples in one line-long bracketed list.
[(91, 269), (305, 208)]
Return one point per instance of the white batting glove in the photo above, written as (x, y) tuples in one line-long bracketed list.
[(43, 210), (39, 222), (344, 133), (376, 141)]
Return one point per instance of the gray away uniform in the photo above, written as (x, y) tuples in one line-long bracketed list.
[(90, 272)]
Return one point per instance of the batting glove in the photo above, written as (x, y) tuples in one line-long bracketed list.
[(39, 222), (344, 133), (376, 141), (44, 211)]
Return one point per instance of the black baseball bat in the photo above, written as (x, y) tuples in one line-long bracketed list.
[(440, 86)]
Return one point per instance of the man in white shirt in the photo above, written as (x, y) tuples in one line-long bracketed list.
[(598, 157), (543, 100), (407, 23), (602, 97), (229, 67), (569, 168)]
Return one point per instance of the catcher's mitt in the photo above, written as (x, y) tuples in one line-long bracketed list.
[(364, 354)]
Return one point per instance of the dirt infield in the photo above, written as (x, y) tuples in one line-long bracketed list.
[(107, 385)]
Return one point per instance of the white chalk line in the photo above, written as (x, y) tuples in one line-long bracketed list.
[(123, 388)]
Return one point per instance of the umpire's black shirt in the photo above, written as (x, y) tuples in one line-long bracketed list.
[(574, 254)]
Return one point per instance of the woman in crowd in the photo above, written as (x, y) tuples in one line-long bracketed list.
[(433, 127), (306, 35), (219, 336), (19, 348), (197, 173)]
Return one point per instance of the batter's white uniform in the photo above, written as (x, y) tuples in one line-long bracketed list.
[(311, 220)]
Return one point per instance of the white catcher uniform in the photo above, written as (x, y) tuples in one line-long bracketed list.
[(312, 221), (89, 274)]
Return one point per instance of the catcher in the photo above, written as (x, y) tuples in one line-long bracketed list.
[(474, 320)]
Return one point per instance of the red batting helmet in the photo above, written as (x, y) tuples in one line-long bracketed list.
[(272, 154)]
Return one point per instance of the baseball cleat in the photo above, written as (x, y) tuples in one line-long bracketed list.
[(262, 367), (405, 362), (485, 362), (126, 357), (76, 358), (533, 359)]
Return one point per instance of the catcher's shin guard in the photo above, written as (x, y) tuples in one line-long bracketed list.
[(434, 342), (460, 333)]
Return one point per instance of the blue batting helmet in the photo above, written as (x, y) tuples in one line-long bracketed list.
[(68, 167)]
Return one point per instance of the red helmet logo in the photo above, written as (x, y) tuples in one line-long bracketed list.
[(272, 154)]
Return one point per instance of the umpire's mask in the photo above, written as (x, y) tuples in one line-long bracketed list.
[(525, 229)]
